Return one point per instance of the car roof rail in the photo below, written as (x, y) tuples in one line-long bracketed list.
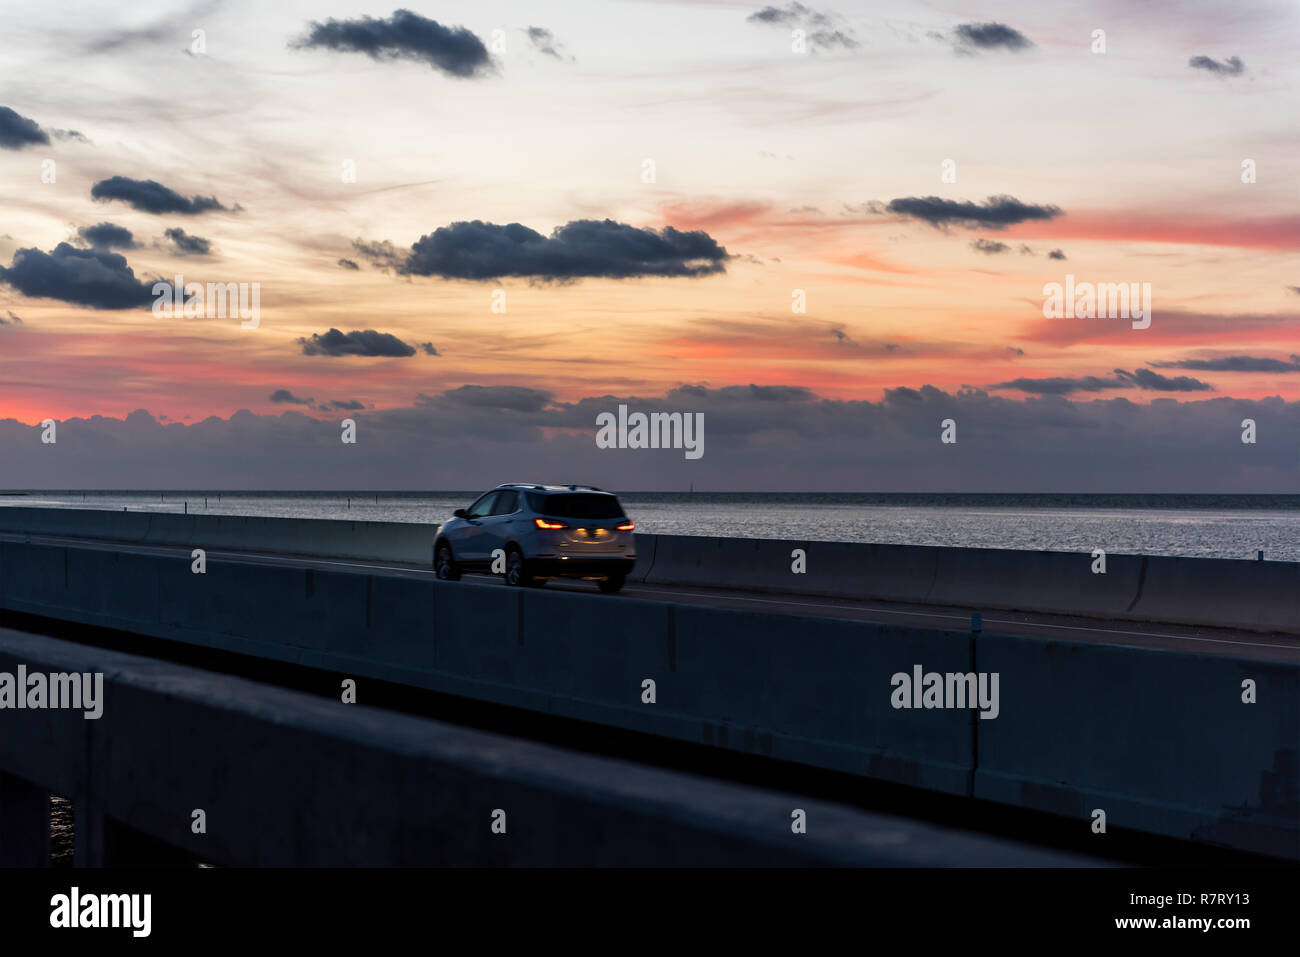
[(556, 488)]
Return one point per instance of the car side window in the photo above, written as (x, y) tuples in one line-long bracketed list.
[(506, 503), (483, 506)]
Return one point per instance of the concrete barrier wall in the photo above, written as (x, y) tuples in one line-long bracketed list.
[(1260, 596), (806, 690), (783, 686), (286, 779), (1158, 741), (377, 541)]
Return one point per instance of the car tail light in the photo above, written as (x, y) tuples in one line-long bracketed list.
[(627, 526), (547, 523)]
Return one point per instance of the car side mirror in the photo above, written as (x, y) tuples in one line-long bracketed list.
[(460, 513)]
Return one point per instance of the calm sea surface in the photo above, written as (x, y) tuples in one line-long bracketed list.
[(1214, 526)]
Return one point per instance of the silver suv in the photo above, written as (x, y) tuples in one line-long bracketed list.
[(530, 533)]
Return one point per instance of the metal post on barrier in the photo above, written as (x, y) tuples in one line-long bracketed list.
[(976, 622)]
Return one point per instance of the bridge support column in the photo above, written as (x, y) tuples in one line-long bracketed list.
[(24, 823)]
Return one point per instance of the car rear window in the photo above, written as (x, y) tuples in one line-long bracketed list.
[(575, 505)]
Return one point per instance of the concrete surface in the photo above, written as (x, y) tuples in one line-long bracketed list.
[(292, 780), (1162, 734)]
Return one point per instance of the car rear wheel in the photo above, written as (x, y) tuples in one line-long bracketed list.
[(444, 566), (612, 584), (517, 570)]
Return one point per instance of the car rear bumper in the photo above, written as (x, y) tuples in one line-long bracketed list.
[(580, 567)]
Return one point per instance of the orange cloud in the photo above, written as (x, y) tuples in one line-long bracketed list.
[(1166, 327)]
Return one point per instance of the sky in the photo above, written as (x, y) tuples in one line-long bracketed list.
[(475, 226)]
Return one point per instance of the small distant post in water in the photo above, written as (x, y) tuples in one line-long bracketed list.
[(976, 622), (1259, 555)]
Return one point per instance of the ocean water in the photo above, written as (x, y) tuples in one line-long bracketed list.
[(1210, 526)]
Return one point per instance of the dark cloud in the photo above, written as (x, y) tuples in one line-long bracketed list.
[(513, 398), (1295, 289), (348, 264), (380, 253), (1025, 250), (1146, 379), (342, 405), (18, 131), (822, 30), (1098, 443), (584, 248), (367, 342), (187, 245), (1061, 385), (1229, 67), (544, 41), (992, 36), (150, 196), (997, 212), (404, 36), (988, 246), (1234, 364), (16, 320), (794, 13), (73, 135), (1015, 350), (285, 396), (85, 277), (1056, 254), (107, 236), (768, 393), (1141, 379), (428, 348)]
